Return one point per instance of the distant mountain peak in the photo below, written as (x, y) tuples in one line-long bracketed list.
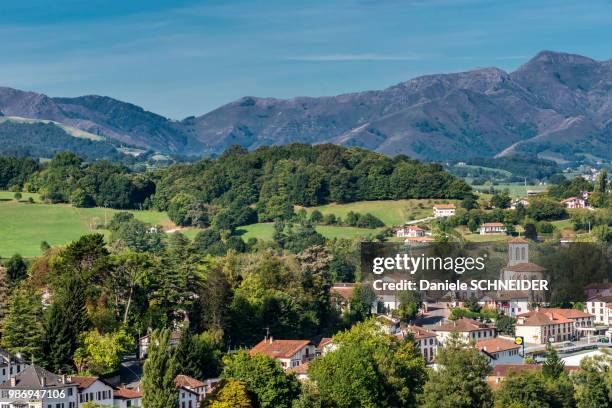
[(482, 112)]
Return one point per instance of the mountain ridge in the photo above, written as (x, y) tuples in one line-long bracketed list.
[(555, 102)]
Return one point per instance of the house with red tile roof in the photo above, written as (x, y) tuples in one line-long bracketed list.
[(500, 351), (126, 398), (468, 329), (426, 340), (409, 231), (575, 202), (544, 325), (444, 210), (301, 371), (93, 389), (191, 391), (290, 353)]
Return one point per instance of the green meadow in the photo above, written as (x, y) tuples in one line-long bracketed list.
[(23, 226), (391, 212)]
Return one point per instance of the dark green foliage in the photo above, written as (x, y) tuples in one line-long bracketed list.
[(47, 139), (64, 321), (553, 366), (264, 377), (137, 235), (277, 177), (159, 373), (570, 188), (505, 325), (369, 369), (501, 200), (16, 269), (460, 380), (545, 209), (199, 356), (15, 171)]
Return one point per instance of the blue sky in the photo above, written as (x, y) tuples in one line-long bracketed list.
[(181, 58)]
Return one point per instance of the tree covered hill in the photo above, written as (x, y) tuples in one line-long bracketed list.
[(239, 187), (47, 139)]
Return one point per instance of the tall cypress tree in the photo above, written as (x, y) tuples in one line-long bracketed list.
[(22, 326), (65, 319), (159, 373)]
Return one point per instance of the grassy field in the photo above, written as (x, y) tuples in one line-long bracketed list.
[(392, 213), (24, 226), (265, 231), (515, 190)]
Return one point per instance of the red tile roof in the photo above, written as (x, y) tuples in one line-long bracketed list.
[(461, 325), (525, 267), (324, 342), (126, 393), (518, 240), (420, 333), (496, 344), (540, 318), (569, 313), (301, 369), (279, 348), (83, 382), (492, 224), (444, 206), (185, 381), (344, 290)]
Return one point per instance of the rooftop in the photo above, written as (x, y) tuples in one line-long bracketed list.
[(420, 333), (35, 377), (525, 267), (541, 317), (126, 393), (461, 325), (184, 381), (492, 224), (279, 348), (444, 206), (83, 382), (496, 344)]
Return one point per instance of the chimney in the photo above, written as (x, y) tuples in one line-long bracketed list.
[(484, 348), (13, 382), (271, 340), (63, 378), (43, 381)]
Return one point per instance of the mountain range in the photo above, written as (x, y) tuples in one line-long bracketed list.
[(557, 106)]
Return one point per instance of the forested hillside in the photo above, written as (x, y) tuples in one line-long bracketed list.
[(47, 139), (239, 187)]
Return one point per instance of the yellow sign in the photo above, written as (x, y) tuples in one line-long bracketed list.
[(518, 340)]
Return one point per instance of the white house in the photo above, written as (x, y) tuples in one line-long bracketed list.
[(412, 231), (325, 346), (522, 201), (500, 351), (290, 353), (125, 398), (444, 210), (598, 289), (53, 390), (301, 371), (144, 341), (601, 308), (426, 340), (10, 365), (191, 391), (491, 228), (388, 324), (575, 202), (544, 325), (92, 389), (468, 329)]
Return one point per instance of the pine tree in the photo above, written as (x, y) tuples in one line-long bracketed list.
[(65, 319), (160, 371), (57, 342), (22, 326), (553, 366)]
